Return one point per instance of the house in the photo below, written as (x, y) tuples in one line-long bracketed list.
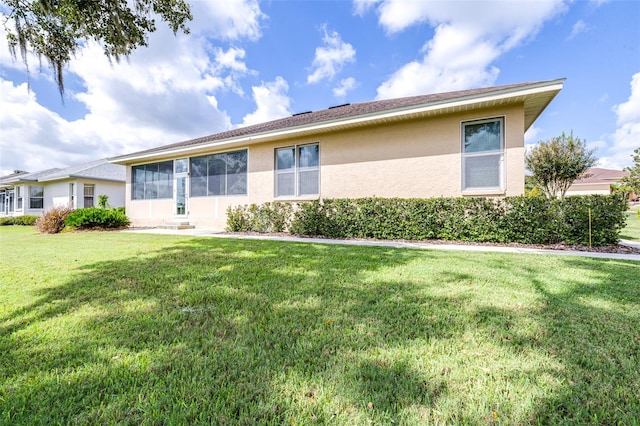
[(24, 193), (596, 181), (463, 143)]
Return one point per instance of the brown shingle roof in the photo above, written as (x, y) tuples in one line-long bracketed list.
[(599, 175), (341, 112)]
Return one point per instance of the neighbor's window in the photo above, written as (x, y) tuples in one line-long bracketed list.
[(72, 195), (152, 181), (18, 198), (483, 154), (36, 197), (89, 191), (298, 170), (219, 174)]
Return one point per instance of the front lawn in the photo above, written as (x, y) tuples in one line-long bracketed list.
[(116, 328), (632, 230)]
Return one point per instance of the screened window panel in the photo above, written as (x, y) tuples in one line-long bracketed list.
[(36, 203), (482, 171), (138, 191), (217, 174), (198, 186), (285, 184), (482, 137), (308, 182), (198, 177), (237, 173), (165, 188)]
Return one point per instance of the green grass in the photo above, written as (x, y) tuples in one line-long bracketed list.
[(114, 328), (632, 230)]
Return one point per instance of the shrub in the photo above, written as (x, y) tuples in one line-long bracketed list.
[(6, 221), (26, 220), (95, 217), (268, 217), (52, 221), (530, 220)]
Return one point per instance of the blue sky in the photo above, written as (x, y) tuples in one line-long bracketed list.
[(247, 61)]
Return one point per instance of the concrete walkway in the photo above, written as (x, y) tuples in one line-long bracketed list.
[(204, 232)]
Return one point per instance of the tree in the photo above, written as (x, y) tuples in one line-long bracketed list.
[(556, 163), (633, 180), (57, 29)]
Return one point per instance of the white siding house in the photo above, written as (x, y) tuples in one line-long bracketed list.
[(24, 193)]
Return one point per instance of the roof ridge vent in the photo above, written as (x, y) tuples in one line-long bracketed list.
[(302, 113), (339, 106)]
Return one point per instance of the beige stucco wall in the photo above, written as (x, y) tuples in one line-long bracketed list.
[(412, 159), (587, 189)]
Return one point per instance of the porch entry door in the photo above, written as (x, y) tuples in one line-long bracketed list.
[(180, 187)]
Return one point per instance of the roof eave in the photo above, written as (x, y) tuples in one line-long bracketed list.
[(542, 93)]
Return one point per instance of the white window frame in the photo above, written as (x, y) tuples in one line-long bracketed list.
[(490, 153), (296, 171), (31, 198), (86, 197), (72, 195), (20, 198)]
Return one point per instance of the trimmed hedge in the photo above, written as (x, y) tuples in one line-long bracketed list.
[(530, 220), (94, 217), (26, 220), (267, 217)]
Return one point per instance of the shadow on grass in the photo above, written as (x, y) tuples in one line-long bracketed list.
[(251, 332)]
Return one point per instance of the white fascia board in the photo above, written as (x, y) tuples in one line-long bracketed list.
[(555, 85)]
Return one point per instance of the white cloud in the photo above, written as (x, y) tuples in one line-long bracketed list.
[(161, 94), (360, 7), (626, 138), (467, 40), (271, 101), (330, 58), (579, 27), (227, 20), (346, 85), (531, 135)]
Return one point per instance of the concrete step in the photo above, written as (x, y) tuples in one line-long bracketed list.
[(177, 225)]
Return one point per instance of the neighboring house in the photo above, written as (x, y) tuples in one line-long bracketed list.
[(596, 181), (24, 193), (465, 143)]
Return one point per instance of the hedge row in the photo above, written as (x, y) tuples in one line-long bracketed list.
[(26, 220), (95, 217), (530, 220)]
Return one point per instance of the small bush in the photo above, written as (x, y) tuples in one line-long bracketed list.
[(94, 217), (52, 221), (26, 220), (268, 217), (6, 221)]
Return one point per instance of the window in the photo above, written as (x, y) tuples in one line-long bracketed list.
[(89, 190), (72, 195), (483, 154), (36, 197), (152, 181), (219, 174), (298, 170), (18, 198)]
